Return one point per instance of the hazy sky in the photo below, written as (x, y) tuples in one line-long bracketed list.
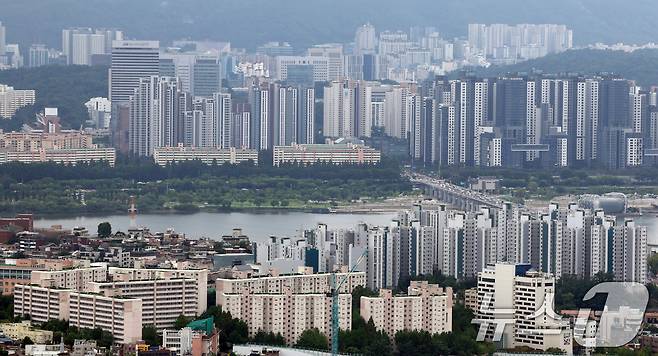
[(303, 22)]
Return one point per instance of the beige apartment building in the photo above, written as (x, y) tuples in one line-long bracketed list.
[(11, 100), (426, 307), (287, 313), (297, 284), (166, 155), (37, 140), (19, 331), (117, 299), (336, 153)]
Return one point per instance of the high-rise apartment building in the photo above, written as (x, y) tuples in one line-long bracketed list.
[(12, 99), (80, 45), (523, 301)]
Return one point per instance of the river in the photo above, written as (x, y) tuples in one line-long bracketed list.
[(258, 226)]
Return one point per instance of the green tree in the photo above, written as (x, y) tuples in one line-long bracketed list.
[(26, 341), (181, 322), (653, 263), (312, 339), (270, 338), (150, 335), (104, 229)]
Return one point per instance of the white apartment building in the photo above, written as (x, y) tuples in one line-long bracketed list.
[(162, 295), (76, 279), (100, 112), (296, 284), (163, 300), (426, 307), (287, 313), (523, 300), (65, 156), (166, 155), (336, 153), (121, 316), (12, 100)]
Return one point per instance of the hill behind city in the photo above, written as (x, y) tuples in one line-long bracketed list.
[(249, 23), (639, 65)]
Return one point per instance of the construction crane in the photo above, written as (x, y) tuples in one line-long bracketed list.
[(335, 288)]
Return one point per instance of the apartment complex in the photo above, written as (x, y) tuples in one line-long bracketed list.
[(39, 140), (65, 147), (287, 313), (296, 284), (167, 155), (118, 299), (523, 300), (68, 156), (19, 331), (336, 153), (426, 307), (12, 99)]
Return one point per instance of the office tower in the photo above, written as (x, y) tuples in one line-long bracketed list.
[(393, 43), (38, 55), (156, 115), (333, 52), (521, 301), (365, 40), (3, 39), (131, 61), (354, 67), (80, 45), (275, 49), (301, 66), (370, 67), (207, 78), (615, 122)]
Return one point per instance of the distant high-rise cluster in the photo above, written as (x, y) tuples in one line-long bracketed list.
[(516, 121), (527, 41), (86, 46), (563, 241)]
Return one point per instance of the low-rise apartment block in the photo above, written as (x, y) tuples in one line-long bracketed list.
[(19, 331), (65, 156), (426, 307), (287, 313), (336, 153), (121, 300), (296, 284), (166, 155)]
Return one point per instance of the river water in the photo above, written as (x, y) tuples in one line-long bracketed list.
[(258, 226)]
